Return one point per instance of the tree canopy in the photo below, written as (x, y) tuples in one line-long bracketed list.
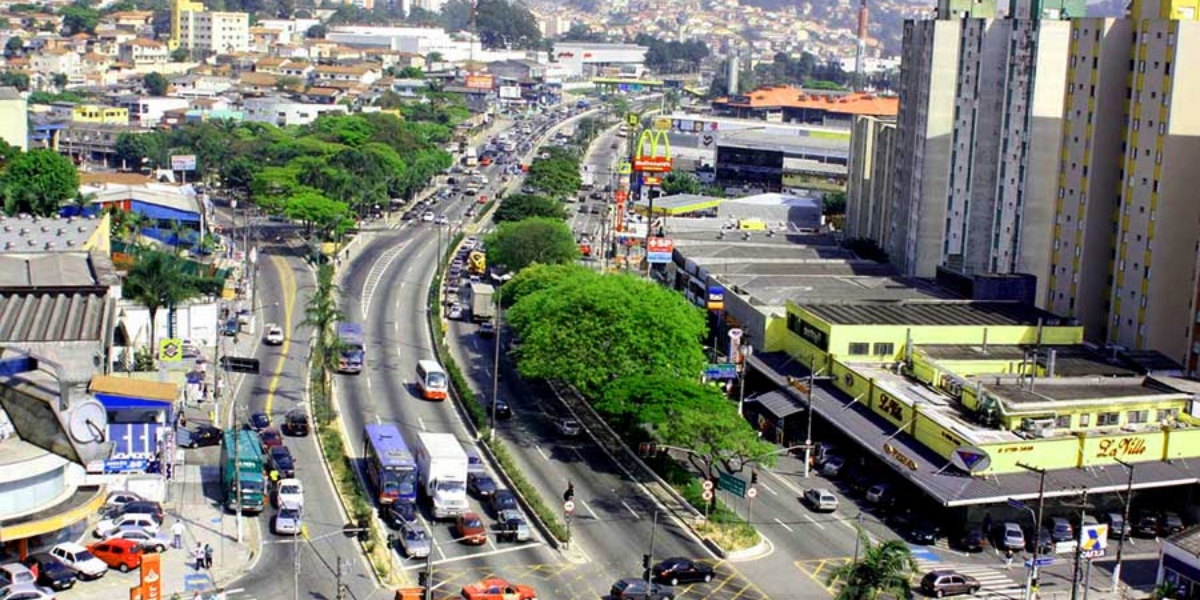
[(885, 568), (79, 18), (518, 207), (589, 329), (534, 278), (500, 23), (681, 183), (159, 280), (38, 182), (672, 56), (516, 245), (556, 175), (156, 84)]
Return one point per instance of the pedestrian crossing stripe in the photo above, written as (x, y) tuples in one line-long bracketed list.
[(991, 579)]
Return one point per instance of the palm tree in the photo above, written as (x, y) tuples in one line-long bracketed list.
[(321, 312), (158, 280), (885, 568)]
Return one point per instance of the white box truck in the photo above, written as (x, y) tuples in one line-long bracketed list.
[(478, 298), (443, 467)]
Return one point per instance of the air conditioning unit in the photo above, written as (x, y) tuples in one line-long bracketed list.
[(1039, 428)]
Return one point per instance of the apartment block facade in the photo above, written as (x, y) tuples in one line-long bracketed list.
[(871, 171), (214, 32), (1127, 225)]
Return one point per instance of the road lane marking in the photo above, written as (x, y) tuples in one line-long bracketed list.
[(814, 522), (630, 509), (768, 488), (539, 451), (789, 485), (588, 509), (475, 555), (288, 283), (784, 525)]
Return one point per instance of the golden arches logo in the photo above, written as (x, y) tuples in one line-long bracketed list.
[(658, 160)]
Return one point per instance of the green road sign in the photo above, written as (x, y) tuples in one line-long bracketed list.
[(732, 484)]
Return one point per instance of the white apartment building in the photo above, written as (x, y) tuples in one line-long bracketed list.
[(284, 112), (870, 177), (14, 118), (417, 40), (978, 136), (1126, 236), (214, 32), (143, 53)]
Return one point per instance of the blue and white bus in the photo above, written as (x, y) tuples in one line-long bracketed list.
[(352, 348), (390, 465)]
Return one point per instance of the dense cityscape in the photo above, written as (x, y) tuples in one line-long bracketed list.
[(645, 299)]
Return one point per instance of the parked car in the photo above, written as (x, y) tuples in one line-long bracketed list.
[(120, 498), (971, 540), (137, 507), (109, 527), (511, 526), (399, 513), (281, 460), (879, 493), (636, 589), (503, 499), (820, 500), (1169, 523), (25, 591), (200, 436), (456, 310), (289, 491), (1060, 529), (295, 423), (270, 438), (487, 329), (481, 485), (1009, 536), (80, 559), (568, 427), (924, 532), (1045, 542), (832, 465), (150, 542), (948, 583), (122, 555), (414, 541), (469, 529), (230, 328), (677, 570), (51, 572), (1145, 525), (288, 520), (1116, 525), (16, 574)]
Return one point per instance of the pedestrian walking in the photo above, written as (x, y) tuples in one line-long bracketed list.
[(208, 552), (198, 556), (1008, 558), (177, 534)]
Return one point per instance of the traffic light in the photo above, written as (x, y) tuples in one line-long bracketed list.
[(570, 493), (753, 477), (645, 561)]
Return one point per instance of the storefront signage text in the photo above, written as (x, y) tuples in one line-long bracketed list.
[(1014, 449), (1121, 447), (891, 406), (900, 457)]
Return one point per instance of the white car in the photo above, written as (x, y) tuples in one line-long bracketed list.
[(150, 542), (274, 335), (820, 500), (427, 217), (290, 492), (568, 427), (25, 591), (121, 498), (456, 311), (288, 520), (109, 527), (80, 559)]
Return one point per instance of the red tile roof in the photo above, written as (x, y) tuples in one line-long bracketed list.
[(855, 103)]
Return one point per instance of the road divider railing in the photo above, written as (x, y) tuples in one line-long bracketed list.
[(545, 518)]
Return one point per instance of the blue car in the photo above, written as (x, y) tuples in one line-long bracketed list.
[(260, 421)]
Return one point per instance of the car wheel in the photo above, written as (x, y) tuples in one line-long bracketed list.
[(674, 581), (939, 594), (160, 549), (708, 578), (973, 591), (124, 568)]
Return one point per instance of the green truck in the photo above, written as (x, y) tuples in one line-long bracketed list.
[(246, 467)]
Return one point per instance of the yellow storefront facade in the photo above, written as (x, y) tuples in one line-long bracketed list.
[(983, 377)]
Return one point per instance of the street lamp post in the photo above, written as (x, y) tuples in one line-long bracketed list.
[(745, 350), (295, 541), (1031, 582), (808, 435), (1116, 575)]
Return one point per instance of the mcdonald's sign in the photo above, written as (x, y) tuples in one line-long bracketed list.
[(653, 154)]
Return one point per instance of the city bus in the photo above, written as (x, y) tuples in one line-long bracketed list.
[(352, 349), (431, 380), (390, 466)]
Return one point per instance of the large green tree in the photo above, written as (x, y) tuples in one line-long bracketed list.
[(318, 213), (537, 277), (680, 183), (79, 18), (514, 246), (38, 182), (556, 175), (884, 569), (155, 84), (590, 329), (519, 207), (159, 280)]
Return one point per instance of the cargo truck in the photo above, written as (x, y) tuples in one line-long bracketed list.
[(243, 468), (442, 465), (477, 297), (470, 157)]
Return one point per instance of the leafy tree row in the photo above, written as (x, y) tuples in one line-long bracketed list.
[(672, 56), (556, 175)]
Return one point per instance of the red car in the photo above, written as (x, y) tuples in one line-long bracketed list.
[(471, 529), (498, 589), (122, 555), (270, 437)]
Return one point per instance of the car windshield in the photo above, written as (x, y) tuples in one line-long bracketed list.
[(252, 487), (83, 555), (472, 522), (289, 513), (416, 534), (289, 489)]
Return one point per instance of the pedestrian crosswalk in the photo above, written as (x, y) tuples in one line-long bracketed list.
[(995, 582)]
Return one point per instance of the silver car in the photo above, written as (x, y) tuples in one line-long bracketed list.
[(414, 540), (288, 520), (820, 500), (149, 541)]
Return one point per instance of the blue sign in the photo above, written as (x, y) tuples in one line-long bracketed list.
[(718, 371), (126, 465), (197, 582), (716, 298), (1042, 561)]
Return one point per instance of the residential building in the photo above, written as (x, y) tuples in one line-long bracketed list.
[(147, 111), (200, 86), (283, 112), (870, 178), (14, 118), (1125, 227), (358, 74), (106, 115), (213, 32), (978, 136), (179, 11), (49, 63), (141, 52), (787, 104)]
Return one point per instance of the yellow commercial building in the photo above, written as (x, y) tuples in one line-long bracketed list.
[(954, 391), (105, 115)]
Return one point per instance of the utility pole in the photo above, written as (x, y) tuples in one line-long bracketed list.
[(237, 471), (858, 519), (808, 441), (1031, 582), (1082, 506), (427, 576), (650, 557), (1116, 575)]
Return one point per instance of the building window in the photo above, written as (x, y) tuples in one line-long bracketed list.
[(1166, 414), (1062, 422), (860, 348), (884, 349), (1108, 419), (1085, 419), (1137, 416)]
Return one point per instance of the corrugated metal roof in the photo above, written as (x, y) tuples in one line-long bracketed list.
[(777, 403), (933, 313), (52, 316), (55, 269)]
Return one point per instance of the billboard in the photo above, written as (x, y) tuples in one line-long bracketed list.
[(183, 162), (510, 92), (479, 82), (658, 250)]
